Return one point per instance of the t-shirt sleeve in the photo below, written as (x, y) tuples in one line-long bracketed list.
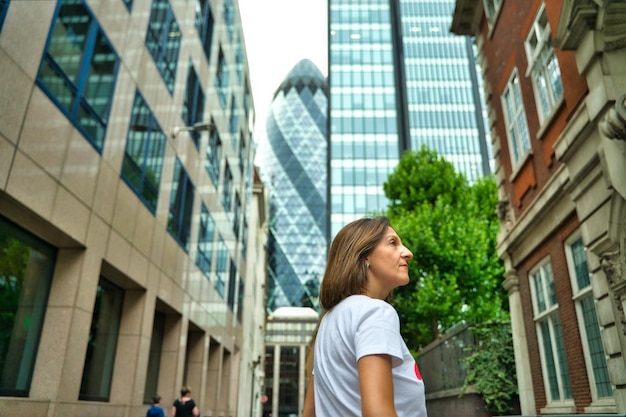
[(378, 332)]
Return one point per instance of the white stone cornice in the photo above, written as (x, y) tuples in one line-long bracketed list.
[(576, 18), (613, 125), (614, 25), (542, 217)]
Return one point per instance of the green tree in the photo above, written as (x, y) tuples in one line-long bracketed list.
[(491, 366), (451, 228)]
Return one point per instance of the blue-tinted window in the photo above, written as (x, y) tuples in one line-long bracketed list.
[(213, 156), (26, 268), (143, 158), (102, 344), (236, 214), (229, 17), (193, 106), (163, 40), (242, 153), (232, 281), (246, 98), (206, 236), (128, 3), (221, 79), (205, 22), (221, 269), (181, 206), (239, 59), (78, 70), (4, 6), (234, 119), (227, 189), (244, 238)]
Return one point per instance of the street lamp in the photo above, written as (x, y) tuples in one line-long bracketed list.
[(196, 127)]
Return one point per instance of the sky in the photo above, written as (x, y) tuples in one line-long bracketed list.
[(278, 34)]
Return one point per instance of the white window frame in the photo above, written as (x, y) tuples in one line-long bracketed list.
[(543, 67), (548, 313), (598, 404), (516, 129), (492, 10)]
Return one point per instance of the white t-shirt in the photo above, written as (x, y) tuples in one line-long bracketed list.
[(356, 327)]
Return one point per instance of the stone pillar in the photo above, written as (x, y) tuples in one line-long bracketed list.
[(614, 337), (520, 344)]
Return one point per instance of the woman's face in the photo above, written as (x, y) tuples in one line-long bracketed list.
[(388, 267)]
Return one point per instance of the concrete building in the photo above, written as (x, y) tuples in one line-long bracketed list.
[(398, 81), (287, 343), (132, 225), (555, 77), (293, 166)]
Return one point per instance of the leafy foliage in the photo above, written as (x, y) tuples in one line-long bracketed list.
[(491, 366), (451, 228)]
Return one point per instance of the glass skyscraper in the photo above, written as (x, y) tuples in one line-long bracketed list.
[(293, 165), (398, 80)]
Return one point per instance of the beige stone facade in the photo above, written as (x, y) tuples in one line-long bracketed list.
[(178, 323)]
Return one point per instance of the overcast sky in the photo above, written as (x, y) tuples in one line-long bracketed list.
[(278, 34)]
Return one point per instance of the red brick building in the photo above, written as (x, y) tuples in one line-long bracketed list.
[(554, 74)]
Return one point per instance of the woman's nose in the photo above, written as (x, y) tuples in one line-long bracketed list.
[(407, 253)]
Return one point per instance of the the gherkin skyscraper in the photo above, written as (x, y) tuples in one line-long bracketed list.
[(293, 165)]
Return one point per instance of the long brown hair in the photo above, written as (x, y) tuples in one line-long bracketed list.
[(345, 273)]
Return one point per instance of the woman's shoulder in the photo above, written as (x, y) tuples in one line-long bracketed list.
[(362, 304)]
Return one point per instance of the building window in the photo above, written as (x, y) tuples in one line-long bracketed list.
[(242, 153), (26, 269), (221, 79), (236, 215), (289, 379), (79, 69), (239, 59), (515, 120), (206, 236), (221, 268), (213, 156), (244, 238), (205, 23), (232, 281), (193, 106), (181, 206), (163, 41), (227, 189), (492, 8), (234, 119), (154, 359), (143, 158), (550, 334), (588, 321), (228, 10), (543, 66), (102, 344), (4, 6)]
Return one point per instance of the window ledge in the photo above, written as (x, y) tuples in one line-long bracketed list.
[(602, 406), (549, 118), (518, 167), (559, 408)]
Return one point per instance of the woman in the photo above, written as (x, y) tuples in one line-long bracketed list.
[(362, 367), (185, 406)]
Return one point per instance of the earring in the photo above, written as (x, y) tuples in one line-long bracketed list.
[(367, 266)]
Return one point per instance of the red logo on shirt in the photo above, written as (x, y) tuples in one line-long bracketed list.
[(417, 372)]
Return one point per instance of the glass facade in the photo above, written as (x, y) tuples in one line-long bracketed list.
[(398, 80), (294, 168)]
